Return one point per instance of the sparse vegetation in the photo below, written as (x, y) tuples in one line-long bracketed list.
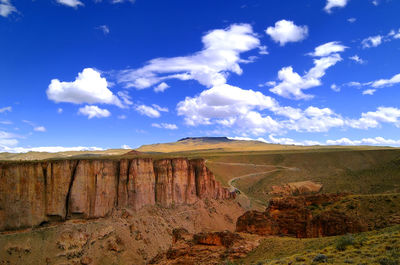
[(381, 247)]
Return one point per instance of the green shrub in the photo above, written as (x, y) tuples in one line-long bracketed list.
[(344, 241), (320, 258)]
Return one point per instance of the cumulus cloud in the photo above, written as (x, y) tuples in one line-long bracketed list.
[(88, 87), (250, 111), (124, 146), (6, 109), (292, 84), (334, 4), (6, 8), (373, 119), (39, 129), (94, 112), (70, 3), (161, 87), (168, 126), (60, 110), (286, 31), (357, 59), (210, 66), (148, 111), (373, 41)]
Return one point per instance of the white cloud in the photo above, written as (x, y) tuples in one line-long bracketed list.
[(328, 48), (357, 59), (159, 108), (375, 2), (334, 3), (122, 1), (88, 87), (365, 141), (5, 109), (122, 117), (6, 8), (369, 92), (314, 119), (335, 88), (210, 66), (39, 129), (7, 139), (244, 111), (223, 104), (373, 119), (104, 28), (60, 110), (386, 82), (70, 3), (263, 50), (352, 19), (373, 41), (286, 31), (376, 84), (168, 126), (292, 84), (148, 111), (48, 149), (161, 87), (124, 146), (94, 112)]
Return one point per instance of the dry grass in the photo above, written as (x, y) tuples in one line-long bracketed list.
[(380, 247)]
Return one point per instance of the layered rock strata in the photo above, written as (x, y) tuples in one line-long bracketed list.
[(294, 216), (33, 193)]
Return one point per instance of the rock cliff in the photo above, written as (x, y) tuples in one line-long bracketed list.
[(33, 193), (295, 216)]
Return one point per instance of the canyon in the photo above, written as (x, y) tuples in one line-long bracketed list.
[(37, 193)]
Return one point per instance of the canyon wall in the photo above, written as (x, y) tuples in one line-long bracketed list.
[(294, 216), (33, 193)]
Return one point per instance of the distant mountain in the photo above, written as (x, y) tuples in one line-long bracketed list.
[(206, 139), (211, 144)]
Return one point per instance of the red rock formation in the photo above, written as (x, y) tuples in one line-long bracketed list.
[(32, 193), (225, 238), (293, 216), (93, 191), (205, 248)]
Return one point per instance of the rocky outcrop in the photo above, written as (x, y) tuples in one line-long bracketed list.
[(296, 188), (32, 193), (205, 248), (295, 216)]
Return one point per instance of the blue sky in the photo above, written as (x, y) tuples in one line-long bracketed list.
[(104, 74)]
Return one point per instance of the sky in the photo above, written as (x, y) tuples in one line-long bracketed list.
[(100, 74)]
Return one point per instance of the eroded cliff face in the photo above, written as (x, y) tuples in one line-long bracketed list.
[(39, 192), (294, 216)]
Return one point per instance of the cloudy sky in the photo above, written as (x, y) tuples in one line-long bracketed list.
[(88, 74)]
